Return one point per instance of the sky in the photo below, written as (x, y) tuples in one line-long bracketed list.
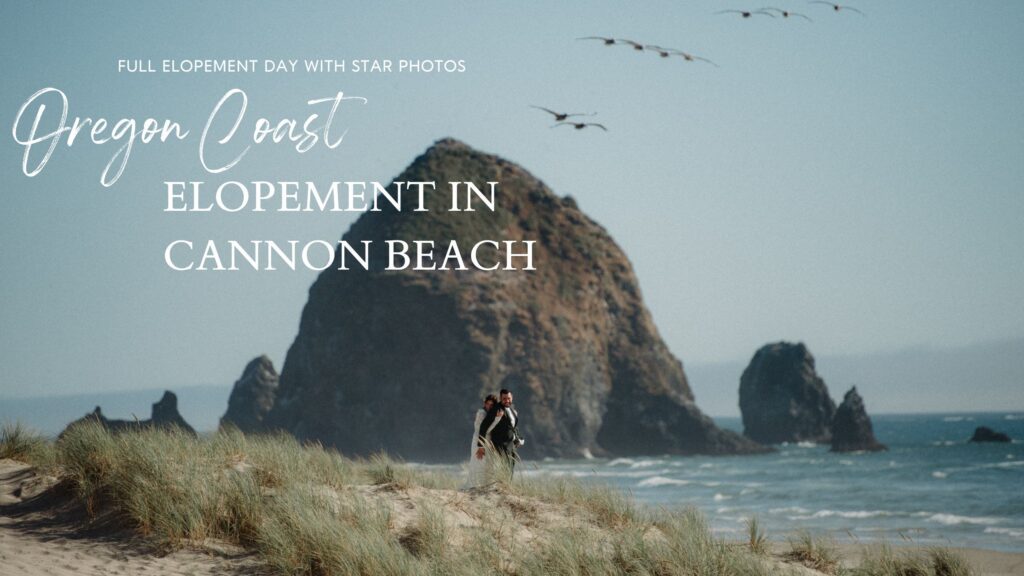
[(855, 182)]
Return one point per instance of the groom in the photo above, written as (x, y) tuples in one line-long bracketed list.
[(505, 433)]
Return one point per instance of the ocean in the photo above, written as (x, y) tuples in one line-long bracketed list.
[(931, 487)]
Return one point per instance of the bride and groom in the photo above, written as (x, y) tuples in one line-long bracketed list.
[(495, 428)]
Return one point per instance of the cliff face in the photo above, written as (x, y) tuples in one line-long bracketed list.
[(399, 360), (782, 398), (851, 428)]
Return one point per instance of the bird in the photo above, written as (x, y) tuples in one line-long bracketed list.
[(663, 52), (635, 45), (787, 13), (747, 13), (607, 41), (691, 58), (559, 116), (581, 125), (838, 7)]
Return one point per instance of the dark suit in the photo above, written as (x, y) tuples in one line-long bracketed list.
[(505, 434)]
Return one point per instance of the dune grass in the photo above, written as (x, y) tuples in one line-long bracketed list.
[(883, 560), (306, 510)]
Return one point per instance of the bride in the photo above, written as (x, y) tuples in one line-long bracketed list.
[(477, 467)]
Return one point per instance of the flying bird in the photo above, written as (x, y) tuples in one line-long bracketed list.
[(635, 45), (607, 41), (581, 125), (559, 116), (787, 13), (691, 58), (747, 13), (663, 52), (838, 7)]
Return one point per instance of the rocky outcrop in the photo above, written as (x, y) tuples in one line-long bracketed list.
[(851, 427), (252, 396), (165, 415), (986, 434), (398, 360), (782, 398)]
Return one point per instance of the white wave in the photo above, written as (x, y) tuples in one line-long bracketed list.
[(622, 462), (644, 463), (943, 443), (746, 491), (953, 519), (846, 462), (806, 444), (1017, 533), (656, 481), (939, 474), (1010, 464), (720, 497), (710, 484), (707, 465), (789, 510), (1014, 417), (958, 419), (851, 514)]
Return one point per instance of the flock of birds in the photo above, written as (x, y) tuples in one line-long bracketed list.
[(563, 118)]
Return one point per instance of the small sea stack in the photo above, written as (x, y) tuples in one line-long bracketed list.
[(986, 434), (782, 398), (164, 415), (252, 396), (851, 427)]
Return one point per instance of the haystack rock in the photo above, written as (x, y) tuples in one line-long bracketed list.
[(252, 396), (399, 360), (851, 427), (782, 398), (986, 434), (165, 415)]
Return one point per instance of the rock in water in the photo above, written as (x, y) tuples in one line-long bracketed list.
[(851, 427), (164, 415), (252, 396), (782, 398), (986, 434), (399, 360)]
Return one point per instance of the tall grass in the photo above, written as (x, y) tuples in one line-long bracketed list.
[(18, 442), (884, 561), (308, 511)]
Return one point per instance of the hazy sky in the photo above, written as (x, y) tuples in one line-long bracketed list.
[(856, 183)]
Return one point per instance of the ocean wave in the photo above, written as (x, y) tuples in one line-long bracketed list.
[(1017, 533), (645, 463), (656, 481), (622, 462), (958, 419), (939, 474), (789, 510), (719, 497), (1014, 417), (848, 514), (953, 519), (711, 484), (944, 443)]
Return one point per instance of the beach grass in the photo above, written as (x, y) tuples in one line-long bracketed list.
[(307, 510)]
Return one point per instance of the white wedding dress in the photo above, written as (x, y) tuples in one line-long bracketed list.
[(477, 468)]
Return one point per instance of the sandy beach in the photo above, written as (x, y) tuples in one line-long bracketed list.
[(43, 533)]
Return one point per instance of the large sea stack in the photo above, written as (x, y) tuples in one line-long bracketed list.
[(782, 398), (851, 427), (399, 360)]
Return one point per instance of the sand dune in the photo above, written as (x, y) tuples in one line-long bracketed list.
[(42, 534)]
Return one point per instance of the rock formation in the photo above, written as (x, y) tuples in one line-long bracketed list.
[(399, 360), (986, 434), (851, 427), (164, 415), (252, 396), (782, 398)]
